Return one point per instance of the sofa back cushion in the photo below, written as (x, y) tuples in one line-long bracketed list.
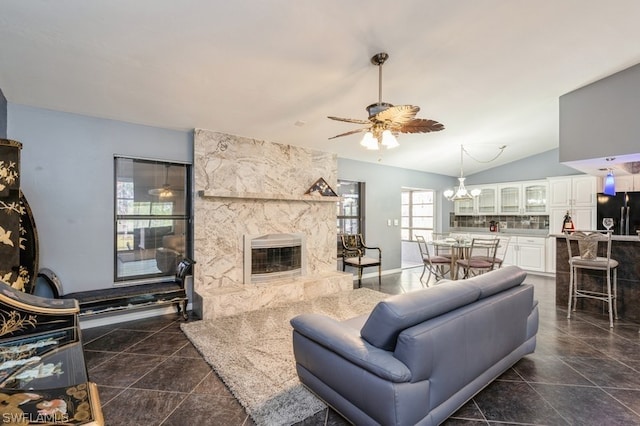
[(391, 316), (498, 280), (396, 313)]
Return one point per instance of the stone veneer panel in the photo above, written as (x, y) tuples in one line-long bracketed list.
[(237, 168)]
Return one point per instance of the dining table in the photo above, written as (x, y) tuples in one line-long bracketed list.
[(459, 248)]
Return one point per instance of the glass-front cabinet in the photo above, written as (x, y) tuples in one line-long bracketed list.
[(519, 198), (483, 204), (509, 199), (535, 197), (487, 200)]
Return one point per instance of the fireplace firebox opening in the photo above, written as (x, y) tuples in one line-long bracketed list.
[(273, 256)]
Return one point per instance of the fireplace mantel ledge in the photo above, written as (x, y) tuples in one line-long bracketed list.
[(262, 196)]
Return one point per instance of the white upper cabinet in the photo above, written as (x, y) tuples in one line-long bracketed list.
[(487, 201), (483, 204), (517, 198), (576, 195), (569, 192)]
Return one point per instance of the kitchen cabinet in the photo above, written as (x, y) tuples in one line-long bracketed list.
[(575, 194), (483, 204), (529, 253), (518, 198)]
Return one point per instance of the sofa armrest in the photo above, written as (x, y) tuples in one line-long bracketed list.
[(347, 343)]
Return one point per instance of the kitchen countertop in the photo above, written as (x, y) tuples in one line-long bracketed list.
[(613, 237), (508, 232)]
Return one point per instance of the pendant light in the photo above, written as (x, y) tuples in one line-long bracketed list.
[(461, 193), (609, 184), (165, 191)]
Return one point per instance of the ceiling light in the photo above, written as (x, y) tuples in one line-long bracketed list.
[(389, 140), (165, 191), (369, 142), (386, 120), (609, 184), (461, 193)]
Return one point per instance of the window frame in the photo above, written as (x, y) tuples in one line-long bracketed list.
[(186, 218), (359, 218), (411, 216)]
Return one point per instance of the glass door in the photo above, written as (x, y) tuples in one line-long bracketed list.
[(487, 201), (510, 199), (535, 198)]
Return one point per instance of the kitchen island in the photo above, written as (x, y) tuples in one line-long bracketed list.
[(626, 250)]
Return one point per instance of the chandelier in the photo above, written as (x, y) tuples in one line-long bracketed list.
[(461, 193)]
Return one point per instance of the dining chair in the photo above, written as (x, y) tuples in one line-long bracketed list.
[(354, 254), (437, 265), (501, 252), (594, 253), (481, 257), (444, 251)]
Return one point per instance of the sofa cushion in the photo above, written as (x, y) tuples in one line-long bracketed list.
[(391, 316), (396, 313), (498, 280)]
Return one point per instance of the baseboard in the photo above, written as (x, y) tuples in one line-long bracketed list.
[(100, 320), (375, 274)]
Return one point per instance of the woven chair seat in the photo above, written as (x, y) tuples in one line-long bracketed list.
[(361, 261)]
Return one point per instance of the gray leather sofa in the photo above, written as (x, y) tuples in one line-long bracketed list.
[(418, 357)]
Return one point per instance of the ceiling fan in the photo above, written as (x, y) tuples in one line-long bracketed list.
[(386, 120)]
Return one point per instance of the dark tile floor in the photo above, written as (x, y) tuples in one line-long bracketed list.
[(582, 373)]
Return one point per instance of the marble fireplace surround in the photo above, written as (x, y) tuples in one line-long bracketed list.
[(248, 186)]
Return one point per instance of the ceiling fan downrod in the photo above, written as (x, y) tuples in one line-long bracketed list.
[(378, 59)]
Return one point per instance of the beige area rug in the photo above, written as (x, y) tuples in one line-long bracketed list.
[(253, 354)]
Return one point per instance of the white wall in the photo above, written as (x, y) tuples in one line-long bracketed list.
[(67, 176)]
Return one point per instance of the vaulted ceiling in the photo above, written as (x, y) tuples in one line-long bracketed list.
[(490, 70)]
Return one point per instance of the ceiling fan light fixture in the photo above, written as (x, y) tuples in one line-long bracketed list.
[(385, 116), (388, 140), (369, 142), (165, 191)]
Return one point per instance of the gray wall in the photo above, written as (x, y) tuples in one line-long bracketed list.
[(3, 116), (67, 176), (601, 119), (540, 166), (383, 188)]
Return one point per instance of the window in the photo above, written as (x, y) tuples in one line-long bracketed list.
[(152, 217), (350, 207), (417, 213), (350, 214)]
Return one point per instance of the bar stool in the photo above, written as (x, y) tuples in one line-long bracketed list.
[(587, 258)]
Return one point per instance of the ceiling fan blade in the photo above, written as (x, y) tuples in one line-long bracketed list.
[(397, 114), (352, 132), (418, 125), (350, 120)]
